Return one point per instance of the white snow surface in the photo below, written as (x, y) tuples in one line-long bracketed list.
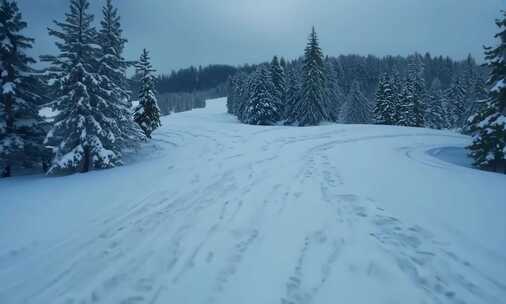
[(213, 211)]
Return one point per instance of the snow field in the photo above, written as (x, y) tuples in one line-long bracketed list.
[(213, 211)]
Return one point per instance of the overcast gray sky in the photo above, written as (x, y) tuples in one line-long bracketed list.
[(180, 33)]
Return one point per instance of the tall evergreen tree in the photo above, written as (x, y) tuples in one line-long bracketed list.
[(435, 114), (489, 125), (247, 91), (420, 93), (283, 63), (147, 113), (237, 94), (21, 133), (479, 98), (405, 106), (384, 108), (231, 99), (396, 86), (279, 83), (263, 108), (456, 96), (311, 110), (85, 133), (414, 95), (243, 91), (356, 110), (339, 73), (480, 89), (232, 95), (469, 78), (113, 67), (334, 95), (293, 94)]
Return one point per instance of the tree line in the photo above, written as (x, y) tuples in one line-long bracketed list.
[(193, 79), (189, 88), (85, 84), (357, 89), (417, 91)]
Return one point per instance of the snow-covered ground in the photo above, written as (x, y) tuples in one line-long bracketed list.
[(213, 211)]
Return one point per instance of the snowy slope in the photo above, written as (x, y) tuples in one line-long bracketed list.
[(213, 211)]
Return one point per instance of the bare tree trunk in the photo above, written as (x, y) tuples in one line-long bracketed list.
[(86, 163), (45, 166)]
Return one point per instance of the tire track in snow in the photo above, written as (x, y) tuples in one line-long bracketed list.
[(424, 260), (332, 144), (300, 289), (404, 243), (427, 262), (322, 247), (233, 263), (140, 221)]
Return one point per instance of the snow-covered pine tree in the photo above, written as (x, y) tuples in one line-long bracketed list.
[(469, 78), (293, 94), (262, 107), (21, 132), (232, 95), (283, 63), (488, 126), (243, 94), (385, 102), (414, 95), (147, 113), (396, 86), (113, 69), (456, 97), (278, 83), (237, 95), (310, 110), (435, 114), (85, 134), (405, 106), (378, 111), (356, 110), (334, 94), (480, 89), (475, 105), (339, 72), (246, 92)]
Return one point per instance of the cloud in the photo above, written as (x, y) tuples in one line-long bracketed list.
[(198, 32)]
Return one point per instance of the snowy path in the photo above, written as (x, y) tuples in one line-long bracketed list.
[(217, 212)]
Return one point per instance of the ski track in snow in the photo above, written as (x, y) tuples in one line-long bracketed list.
[(214, 209)]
